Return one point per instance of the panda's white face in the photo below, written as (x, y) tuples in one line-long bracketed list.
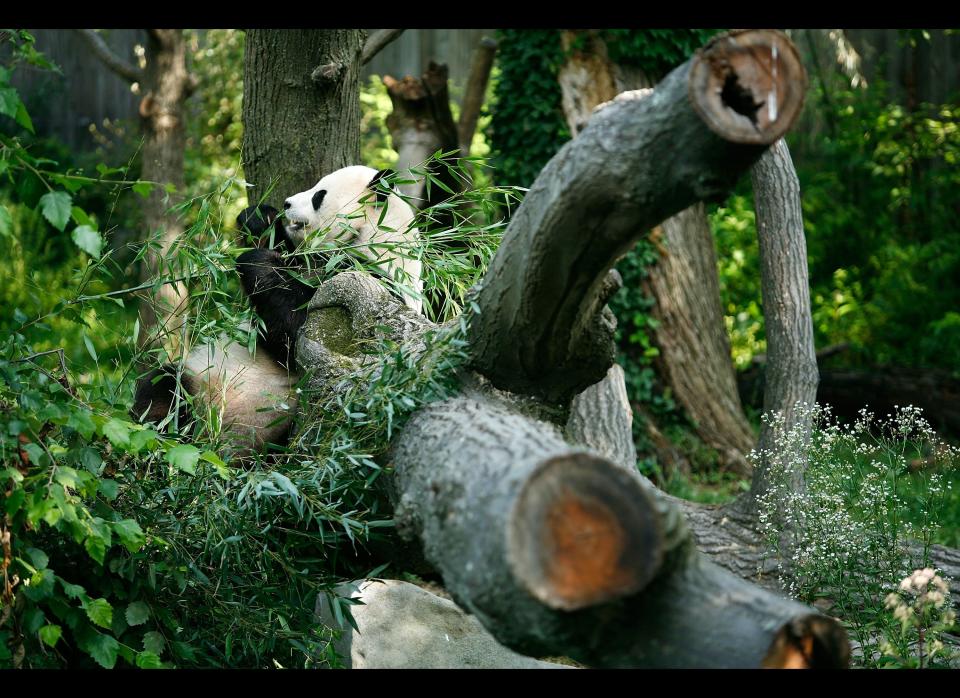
[(338, 207), (343, 208)]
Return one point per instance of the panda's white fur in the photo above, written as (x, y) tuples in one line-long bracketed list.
[(350, 214), (251, 396)]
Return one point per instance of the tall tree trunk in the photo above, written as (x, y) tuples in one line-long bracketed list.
[(790, 386), (694, 358), (165, 83), (301, 108)]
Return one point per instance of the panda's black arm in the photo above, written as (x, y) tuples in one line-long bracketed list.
[(279, 299), (255, 224)]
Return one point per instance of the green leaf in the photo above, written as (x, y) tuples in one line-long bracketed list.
[(118, 432), (143, 438), (130, 534), (38, 558), (9, 101), (23, 118), (138, 613), (95, 547), (50, 634), (103, 648), (6, 222), (92, 352), (34, 452), (80, 421), (80, 216), (88, 240), (90, 457), (73, 591), (149, 660), (100, 612), (154, 642), (109, 488), (184, 457), (55, 206), (41, 586), (143, 188)]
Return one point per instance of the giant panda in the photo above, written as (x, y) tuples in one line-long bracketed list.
[(254, 396)]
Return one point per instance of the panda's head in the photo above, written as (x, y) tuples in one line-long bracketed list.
[(339, 204)]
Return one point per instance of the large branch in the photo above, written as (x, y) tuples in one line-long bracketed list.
[(558, 550), (126, 70), (540, 329), (376, 42)]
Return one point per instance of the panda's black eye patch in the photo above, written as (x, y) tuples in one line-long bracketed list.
[(318, 199)]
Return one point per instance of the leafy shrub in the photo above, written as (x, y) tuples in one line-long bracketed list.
[(874, 496)]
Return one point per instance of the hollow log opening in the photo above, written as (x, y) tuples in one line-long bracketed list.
[(582, 532), (809, 642), (748, 86)]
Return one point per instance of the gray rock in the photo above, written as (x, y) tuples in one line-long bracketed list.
[(405, 627)]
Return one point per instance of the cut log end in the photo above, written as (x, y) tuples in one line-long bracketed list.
[(582, 532), (748, 86), (809, 642)]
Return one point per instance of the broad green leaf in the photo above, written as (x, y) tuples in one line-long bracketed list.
[(38, 558), (130, 534), (141, 439), (55, 206), (49, 634), (138, 613), (184, 457), (143, 188), (9, 101), (41, 586), (100, 612), (109, 488), (103, 648), (35, 453), (81, 422), (73, 591), (153, 642), (118, 432), (90, 457), (95, 547), (88, 240), (6, 222), (149, 660)]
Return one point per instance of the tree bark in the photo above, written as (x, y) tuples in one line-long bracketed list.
[(694, 360), (420, 124), (790, 387), (694, 357), (545, 287), (166, 84), (301, 108), (475, 91)]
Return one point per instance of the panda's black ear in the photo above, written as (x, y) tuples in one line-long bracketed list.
[(256, 219), (381, 194)]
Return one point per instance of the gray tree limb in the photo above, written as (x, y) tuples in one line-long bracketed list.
[(542, 329), (376, 42), (124, 69)]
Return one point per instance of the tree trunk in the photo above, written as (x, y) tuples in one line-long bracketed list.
[(302, 93), (690, 333), (420, 124), (555, 547), (165, 84), (166, 87), (790, 387), (694, 360)]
